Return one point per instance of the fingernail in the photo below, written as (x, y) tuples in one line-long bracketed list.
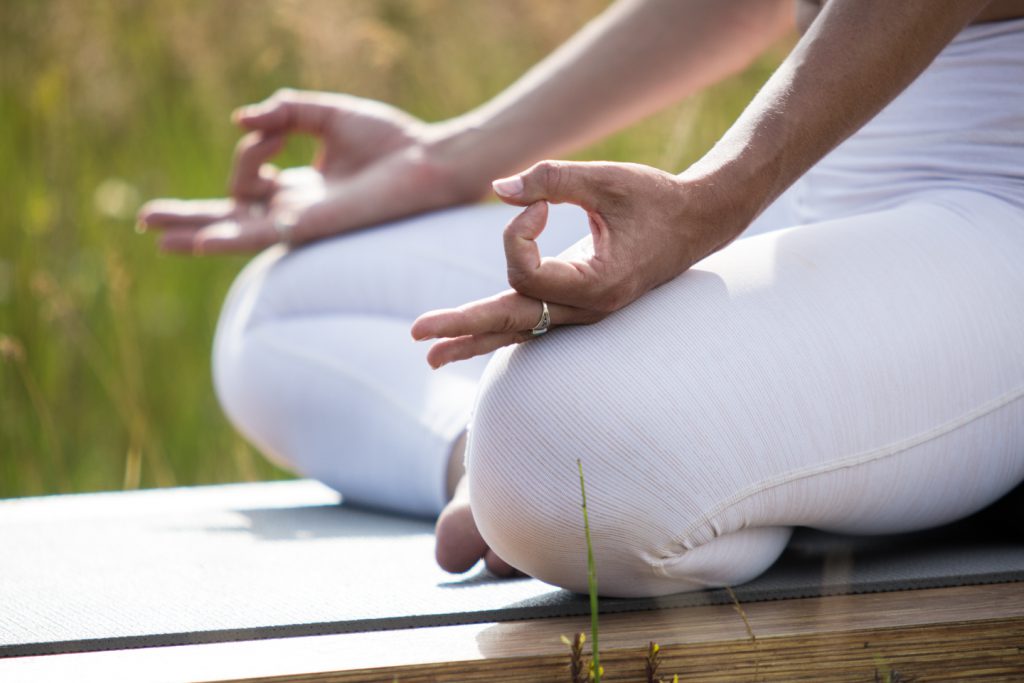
[(508, 187)]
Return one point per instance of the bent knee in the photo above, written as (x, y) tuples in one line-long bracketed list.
[(523, 479), (246, 394), (532, 423), (239, 361), (635, 554)]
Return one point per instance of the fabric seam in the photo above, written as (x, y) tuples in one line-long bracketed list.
[(862, 458)]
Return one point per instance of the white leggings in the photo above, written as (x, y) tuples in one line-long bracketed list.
[(854, 363)]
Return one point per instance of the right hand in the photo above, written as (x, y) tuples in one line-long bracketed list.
[(375, 163)]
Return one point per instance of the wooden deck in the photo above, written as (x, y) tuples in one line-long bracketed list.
[(950, 634)]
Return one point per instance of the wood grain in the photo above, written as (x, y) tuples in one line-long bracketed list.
[(950, 634)]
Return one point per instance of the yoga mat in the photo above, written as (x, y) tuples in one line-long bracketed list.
[(246, 561)]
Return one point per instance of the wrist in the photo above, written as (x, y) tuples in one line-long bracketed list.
[(734, 188), (478, 149), (723, 200), (458, 152)]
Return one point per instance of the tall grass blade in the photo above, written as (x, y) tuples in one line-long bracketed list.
[(595, 661)]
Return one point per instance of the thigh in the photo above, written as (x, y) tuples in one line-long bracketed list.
[(862, 374)]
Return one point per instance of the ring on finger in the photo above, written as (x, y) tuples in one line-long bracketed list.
[(284, 226), (256, 209), (545, 321)]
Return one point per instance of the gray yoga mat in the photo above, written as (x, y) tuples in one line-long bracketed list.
[(239, 562)]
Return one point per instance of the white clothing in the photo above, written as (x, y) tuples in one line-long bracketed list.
[(854, 363), (314, 361)]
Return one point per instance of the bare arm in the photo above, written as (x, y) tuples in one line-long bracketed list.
[(647, 226), (634, 59), (377, 163)]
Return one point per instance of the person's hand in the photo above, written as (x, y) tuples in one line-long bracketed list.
[(647, 227), (375, 163)]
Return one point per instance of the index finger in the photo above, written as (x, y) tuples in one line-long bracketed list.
[(248, 180), (550, 279)]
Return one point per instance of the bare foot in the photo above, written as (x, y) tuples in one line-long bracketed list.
[(459, 544)]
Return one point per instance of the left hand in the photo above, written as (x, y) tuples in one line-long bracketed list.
[(375, 163), (647, 227)]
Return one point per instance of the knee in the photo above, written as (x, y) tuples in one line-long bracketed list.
[(523, 481), (535, 417), (528, 431), (238, 362)]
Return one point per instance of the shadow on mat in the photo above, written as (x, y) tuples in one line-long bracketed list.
[(320, 522)]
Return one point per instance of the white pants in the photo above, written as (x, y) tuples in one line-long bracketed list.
[(854, 363)]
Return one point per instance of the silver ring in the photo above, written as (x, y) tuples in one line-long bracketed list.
[(545, 321), (284, 225), (256, 209)]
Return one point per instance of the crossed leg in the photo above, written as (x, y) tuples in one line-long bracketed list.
[(862, 374)]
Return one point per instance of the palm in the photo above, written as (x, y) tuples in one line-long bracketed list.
[(359, 134), (367, 170)]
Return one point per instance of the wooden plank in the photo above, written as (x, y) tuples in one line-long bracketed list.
[(949, 634)]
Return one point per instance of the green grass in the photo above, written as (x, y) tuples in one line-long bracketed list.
[(104, 344), (596, 670)]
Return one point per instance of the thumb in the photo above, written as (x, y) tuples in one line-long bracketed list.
[(288, 111), (554, 181)]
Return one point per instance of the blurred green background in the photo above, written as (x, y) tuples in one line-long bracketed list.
[(104, 342)]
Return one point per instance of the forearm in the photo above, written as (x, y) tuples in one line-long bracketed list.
[(855, 58), (637, 57)]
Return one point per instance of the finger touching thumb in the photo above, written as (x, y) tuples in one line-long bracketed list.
[(553, 181), (530, 223), (287, 111), (266, 116)]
